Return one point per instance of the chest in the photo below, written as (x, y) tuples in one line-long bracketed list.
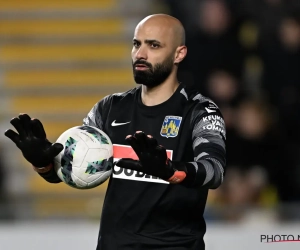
[(165, 126)]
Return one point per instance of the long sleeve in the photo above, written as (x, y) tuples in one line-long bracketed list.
[(208, 136), (97, 115), (94, 117)]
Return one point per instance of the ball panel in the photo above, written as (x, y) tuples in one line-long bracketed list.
[(98, 134), (87, 158), (104, 176)]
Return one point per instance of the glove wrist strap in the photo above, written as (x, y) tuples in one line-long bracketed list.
[(43, 169), (177, 177)]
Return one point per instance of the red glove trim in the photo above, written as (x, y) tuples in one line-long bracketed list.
[(43, 169), (177, 177)]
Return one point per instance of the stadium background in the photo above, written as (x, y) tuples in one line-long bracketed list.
[(58, 58)]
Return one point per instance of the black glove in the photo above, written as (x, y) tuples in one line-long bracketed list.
[(153, 158), (32, 141)]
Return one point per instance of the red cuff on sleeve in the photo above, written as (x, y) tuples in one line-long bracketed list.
[(177, 177)]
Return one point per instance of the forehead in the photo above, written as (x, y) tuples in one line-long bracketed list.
[(150, 31)]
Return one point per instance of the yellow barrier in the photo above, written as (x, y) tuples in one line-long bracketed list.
[(67, 78), (54, 104), (56, 27), (56, 4), (64, 53)]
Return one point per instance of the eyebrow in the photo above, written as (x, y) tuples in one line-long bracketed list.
[(148, 41)]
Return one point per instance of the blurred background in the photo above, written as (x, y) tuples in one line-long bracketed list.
[(58, 58)]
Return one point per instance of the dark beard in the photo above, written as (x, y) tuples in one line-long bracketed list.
[(153, 76)]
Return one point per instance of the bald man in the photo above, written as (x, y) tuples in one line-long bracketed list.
[(169, 148)]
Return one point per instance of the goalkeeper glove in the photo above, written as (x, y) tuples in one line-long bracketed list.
[(32, 141), (153, 159)]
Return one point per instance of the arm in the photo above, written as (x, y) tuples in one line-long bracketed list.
[(97, 115), (207, 169), (208, 135), (94, 118), (36, 149)]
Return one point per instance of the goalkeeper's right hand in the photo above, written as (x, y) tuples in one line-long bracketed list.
[(32, 141)]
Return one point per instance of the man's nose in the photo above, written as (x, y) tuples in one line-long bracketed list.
[(141, 53)]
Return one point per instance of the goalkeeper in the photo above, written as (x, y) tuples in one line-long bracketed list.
[(157, 200)]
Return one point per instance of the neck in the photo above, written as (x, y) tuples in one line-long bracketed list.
[(159, 94)]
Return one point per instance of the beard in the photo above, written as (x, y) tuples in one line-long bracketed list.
[(154, 75)]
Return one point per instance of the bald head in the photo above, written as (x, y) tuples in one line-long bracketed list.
[(158, 48), (167, 24)]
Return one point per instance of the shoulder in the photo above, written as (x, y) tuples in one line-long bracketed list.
[(117, 97), (106, 102), (206, 116), (201, 104), (100, 110), (204, 105)]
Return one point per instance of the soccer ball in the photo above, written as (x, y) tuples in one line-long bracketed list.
[(87, 158)]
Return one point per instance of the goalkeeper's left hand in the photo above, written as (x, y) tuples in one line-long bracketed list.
[(153, 159)]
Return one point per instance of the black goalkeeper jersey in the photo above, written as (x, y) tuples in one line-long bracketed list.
[(144, 212)]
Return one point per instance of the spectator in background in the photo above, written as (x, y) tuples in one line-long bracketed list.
[(214, 43), (249, 48), (266, 13), (226, 90), (254, 160), (282, 74), (261, 170)]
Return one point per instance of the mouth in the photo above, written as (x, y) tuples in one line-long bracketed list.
[(140, 67)]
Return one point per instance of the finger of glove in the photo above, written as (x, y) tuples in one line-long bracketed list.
[(128, 163), (141, 139), (151, 143), (38, 129), (26, 123), (54, 149), (132, 141), (13, 136), (161, 152), (16, 122)]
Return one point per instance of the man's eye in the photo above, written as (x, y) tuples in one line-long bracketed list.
[(136, 44), (154, 45)]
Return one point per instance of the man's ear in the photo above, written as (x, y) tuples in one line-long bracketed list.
[(180, 54)]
